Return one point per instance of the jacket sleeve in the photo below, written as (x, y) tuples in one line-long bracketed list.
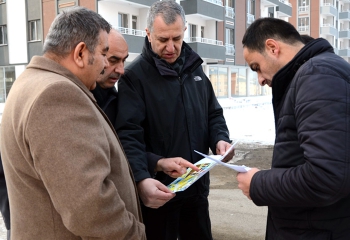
[(217, 125), (76, 167), (129, 125), (4, 199), (322, 121)]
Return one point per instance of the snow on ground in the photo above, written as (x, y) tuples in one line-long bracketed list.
[(250, 120)]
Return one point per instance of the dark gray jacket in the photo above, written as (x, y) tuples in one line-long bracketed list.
[(168, 114), (308, 188)]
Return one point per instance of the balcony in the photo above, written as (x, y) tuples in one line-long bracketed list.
[(344, 15), (209, 9), (344, 34), (284, 9), (207, 48), (270, 3), (329, 29), (344, 52), (303, 9), (141, 2), (230, 49), (229, 12), (329, 10), (303, 29), (250, 18), (134, 38)]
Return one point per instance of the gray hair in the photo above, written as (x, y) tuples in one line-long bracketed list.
[(168, 9), (72, 27)]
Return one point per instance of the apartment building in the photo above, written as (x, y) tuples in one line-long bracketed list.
[(329, 19), (214, 30)]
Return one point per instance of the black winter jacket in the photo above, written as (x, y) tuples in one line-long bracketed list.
[(308, 188), (168, 114)]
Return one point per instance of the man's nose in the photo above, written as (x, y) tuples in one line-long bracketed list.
[(106, 63), (261, 80), (119, 68), (170, 46)]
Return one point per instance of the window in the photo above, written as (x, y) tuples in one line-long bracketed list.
[(303, 24), (3, 35), (303, 3), (134, 22), (202, 32), (34, 30), (192, 30), (251, 7), (230, 3), (123, 20), (229, 36)]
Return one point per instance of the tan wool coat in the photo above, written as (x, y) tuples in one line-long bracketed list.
[(66, 172)]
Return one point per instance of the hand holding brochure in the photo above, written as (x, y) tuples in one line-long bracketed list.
[(205, 164)]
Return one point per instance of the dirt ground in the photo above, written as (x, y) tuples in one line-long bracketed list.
[(248, 154), (233, 216)]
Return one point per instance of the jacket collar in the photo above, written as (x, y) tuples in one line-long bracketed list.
[(284, 76), (192, 59), (47, 64)]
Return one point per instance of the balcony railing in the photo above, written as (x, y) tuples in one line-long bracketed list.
[(130, 31), (230, 12), (327, 25), (204, 40), (250, 18), (285, 2), (303, 28), (216, 2), (304, 9), (230, 49), (328, 4)]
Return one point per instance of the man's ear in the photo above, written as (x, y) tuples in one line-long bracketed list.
[(80, 53), (272, 46), (148, 34)]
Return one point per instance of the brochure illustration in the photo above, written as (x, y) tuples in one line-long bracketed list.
[(205, 164)]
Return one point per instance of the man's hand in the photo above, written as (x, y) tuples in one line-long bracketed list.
[(244, 180), (153, 193), (222, 147), (174, 167)]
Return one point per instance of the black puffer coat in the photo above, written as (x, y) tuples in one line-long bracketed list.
[(308, 188), (168, 114)]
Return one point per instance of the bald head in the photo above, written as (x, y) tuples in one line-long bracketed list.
[(116, 56)]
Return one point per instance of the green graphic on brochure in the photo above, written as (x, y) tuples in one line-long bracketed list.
[(205, 164)]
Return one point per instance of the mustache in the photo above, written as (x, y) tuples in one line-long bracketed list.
[(115, 75)]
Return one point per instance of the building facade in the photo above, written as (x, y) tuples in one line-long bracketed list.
[(329, 19), (215, 29)]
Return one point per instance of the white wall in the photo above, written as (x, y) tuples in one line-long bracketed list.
[(17, 31), (110, 10)]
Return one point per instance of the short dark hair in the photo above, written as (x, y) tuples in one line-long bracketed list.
[(306, 38), (73, 26), (264, 28)]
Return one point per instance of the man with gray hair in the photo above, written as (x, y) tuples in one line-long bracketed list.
[(167, 109), (67, 175)]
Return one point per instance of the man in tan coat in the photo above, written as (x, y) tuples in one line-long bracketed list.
[(66, 173)]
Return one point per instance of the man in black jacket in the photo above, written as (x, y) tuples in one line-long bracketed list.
[(167, 107), (105, 92), (307, 190)]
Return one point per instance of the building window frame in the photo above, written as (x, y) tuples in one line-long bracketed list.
[(34, 33), (123, 20), (3, 35)]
